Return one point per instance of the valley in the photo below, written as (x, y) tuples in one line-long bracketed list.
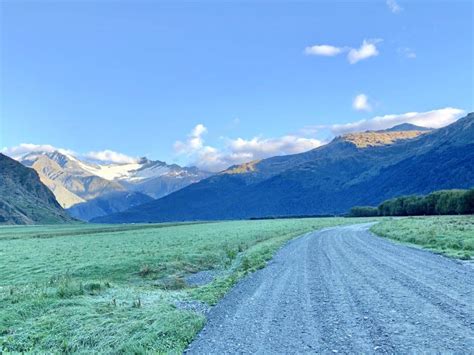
[(236, 177), (354, 169), (196, 284), (150, 287)]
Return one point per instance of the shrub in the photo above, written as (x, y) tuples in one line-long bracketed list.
[(145, 270), (364, 211)]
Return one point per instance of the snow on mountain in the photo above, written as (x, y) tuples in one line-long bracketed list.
[(135, 172), (111, 171)]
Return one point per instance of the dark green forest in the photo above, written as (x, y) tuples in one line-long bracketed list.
[(445, 202)]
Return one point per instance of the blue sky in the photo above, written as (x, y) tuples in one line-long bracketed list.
[(213, 83)]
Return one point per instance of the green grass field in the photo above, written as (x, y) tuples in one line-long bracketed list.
[(93, 288), (452, 236)]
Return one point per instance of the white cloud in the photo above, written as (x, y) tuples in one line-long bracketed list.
[(393, 6), (361, 103), (237, 151), (20, 150), (323, 50), (432, 119), (194, 142), (110, 156), (366, 50), (260, 148)]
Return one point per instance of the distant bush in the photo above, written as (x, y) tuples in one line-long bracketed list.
[(445, 202), (364, 211)]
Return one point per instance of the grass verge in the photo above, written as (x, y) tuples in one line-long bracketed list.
[(452, 236)]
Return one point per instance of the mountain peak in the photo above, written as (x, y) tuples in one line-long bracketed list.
[(406, 127), (60, 158), (143, 160)]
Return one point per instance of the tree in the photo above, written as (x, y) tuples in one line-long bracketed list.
[(466, 203), (364, 211), (438, 202)]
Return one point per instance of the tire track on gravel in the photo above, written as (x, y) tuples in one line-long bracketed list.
[(444, 299)]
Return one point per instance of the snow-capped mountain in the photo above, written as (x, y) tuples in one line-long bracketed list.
[(139, 171), (66, 177), (74, 180)]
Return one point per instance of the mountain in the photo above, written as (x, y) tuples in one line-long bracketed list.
[(153, 178), (24, 199), (406, 127), (76, 182), (354, 169), (107, 204), (69, 178)]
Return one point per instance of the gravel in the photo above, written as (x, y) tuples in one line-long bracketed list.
[(201, 278), (195, 306), (344, 290)]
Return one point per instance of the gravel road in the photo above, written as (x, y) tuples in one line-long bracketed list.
[(344, 290)]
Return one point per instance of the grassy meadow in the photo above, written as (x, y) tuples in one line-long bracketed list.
[(452, 236), (123, 289)]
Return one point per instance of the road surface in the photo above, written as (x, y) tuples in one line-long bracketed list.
[(344, 290)]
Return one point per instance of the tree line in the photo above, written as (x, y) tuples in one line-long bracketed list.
[(436, 203)]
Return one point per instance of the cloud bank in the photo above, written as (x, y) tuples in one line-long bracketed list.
[(25, 148), (110, 156), (239, 150), (105, 156), (431, 119)]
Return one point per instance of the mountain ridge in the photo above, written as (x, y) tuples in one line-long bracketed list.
[(406, 127), (107, 204), (328, 179), (74, 181)]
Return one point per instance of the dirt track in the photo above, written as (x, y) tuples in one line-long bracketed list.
[(343, 290)]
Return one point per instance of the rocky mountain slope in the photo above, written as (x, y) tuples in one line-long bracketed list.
[(355, 169), (68, 177), (24, 199), (156, 178), (107, 204)]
